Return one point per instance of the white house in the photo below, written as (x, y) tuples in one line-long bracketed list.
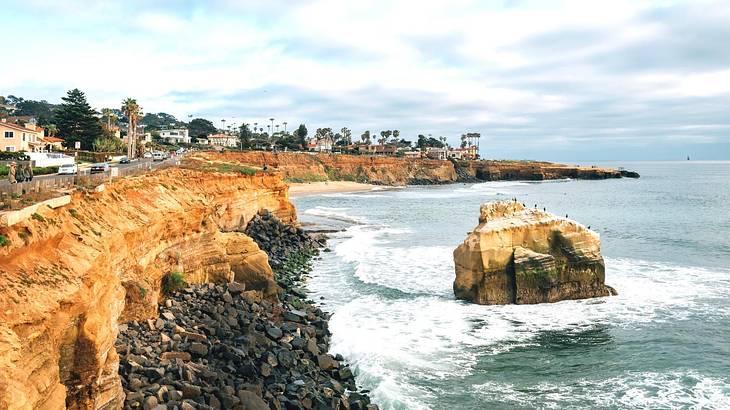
[(175, 135), (222, 140)]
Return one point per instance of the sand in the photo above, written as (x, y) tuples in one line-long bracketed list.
[(314, 188)]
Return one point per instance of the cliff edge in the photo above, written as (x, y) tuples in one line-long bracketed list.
[(525, 256), (69, 276)]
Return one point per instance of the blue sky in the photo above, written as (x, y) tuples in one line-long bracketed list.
[(562, 80)]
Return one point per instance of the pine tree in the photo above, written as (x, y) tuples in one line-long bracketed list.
[(77, 121)]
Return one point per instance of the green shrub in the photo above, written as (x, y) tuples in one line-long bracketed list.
[(142, 292), (172, 282), (74, 213), (4, 241), (38, 217), (44, 170)]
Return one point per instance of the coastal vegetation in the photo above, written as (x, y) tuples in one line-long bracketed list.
[(172, 282)]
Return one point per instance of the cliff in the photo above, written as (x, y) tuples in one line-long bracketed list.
[(488, 170), (68, 276), (526, 256), (305, 167)]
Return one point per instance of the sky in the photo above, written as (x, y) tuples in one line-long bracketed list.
[(549, 80)]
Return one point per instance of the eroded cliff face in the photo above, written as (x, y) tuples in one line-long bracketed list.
[(526, 256), (68, 276), (533, 171), (369, 169)]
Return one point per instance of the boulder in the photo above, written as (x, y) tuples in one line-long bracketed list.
[(526, 256)]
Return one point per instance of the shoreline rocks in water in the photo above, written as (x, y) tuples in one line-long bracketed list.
[(525, 256), (215, 346)]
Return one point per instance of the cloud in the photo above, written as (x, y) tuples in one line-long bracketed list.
[(570, 78)]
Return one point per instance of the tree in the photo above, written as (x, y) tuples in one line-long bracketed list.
[(346, 136), (77, 121), (132, 111), (463, 140), (396, 134), (105, 144), (200, 127), (301, 134), (365, 137), (160, 121), (245, 136), (42, 110)]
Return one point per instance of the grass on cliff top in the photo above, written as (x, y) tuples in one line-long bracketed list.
[(223, 167), (306, 177), (4, 241)]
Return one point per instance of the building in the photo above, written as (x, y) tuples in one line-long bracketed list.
[(437, 153), (16, 137), (52, 144), (412, 154), (387, 149), (175, 135), (222, 140), (320, 145), (471, 152), (203, 141)]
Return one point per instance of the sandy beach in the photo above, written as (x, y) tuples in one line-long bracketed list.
[(314, 188)]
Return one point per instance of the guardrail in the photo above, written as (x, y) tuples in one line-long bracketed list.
[(47, 183)]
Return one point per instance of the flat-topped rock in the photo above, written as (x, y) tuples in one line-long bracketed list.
[(526, 256)]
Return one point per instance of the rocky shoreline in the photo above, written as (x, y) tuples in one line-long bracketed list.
[(215, 347)]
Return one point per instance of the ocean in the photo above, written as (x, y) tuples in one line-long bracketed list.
[(662, 343)]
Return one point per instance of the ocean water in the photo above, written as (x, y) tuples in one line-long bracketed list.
[(663, 343)]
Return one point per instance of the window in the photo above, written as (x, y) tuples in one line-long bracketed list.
[(9, 134), (10, 149), (23, 136)]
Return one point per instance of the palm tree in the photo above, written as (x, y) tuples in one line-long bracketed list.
[(52, 130), (284, 126), (131, 110)]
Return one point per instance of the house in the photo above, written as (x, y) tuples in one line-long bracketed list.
[(52, 144), (320, 145), (471, 152), (222, 140), (203, 141), (387, 149), (175, 135), (437, 153), (16, 137), (412, 154)]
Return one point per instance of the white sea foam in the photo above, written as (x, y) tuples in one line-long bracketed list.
[(644, 390), (337, 214), (388, 339)]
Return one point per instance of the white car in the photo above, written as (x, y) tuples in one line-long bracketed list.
[(158, 156), (147, 155), (67, 169)]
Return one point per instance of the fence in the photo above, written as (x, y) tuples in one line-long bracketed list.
[(57, 182)]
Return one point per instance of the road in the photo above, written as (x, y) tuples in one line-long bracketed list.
[(144, 162)]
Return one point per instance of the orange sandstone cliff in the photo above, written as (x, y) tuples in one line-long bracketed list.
[(310, 167), (68, 276), (320, 167)]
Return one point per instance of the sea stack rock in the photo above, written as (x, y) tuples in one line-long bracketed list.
[(525, 256)]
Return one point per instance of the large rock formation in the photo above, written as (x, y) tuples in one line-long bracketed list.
[(69, 275), (525, 256)]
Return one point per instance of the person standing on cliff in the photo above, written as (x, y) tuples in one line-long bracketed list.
[(11, 173)]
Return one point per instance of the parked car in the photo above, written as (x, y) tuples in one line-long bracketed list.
[(100, 167), (158, 156), (67, 169), (147, 155), (124, 160)]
